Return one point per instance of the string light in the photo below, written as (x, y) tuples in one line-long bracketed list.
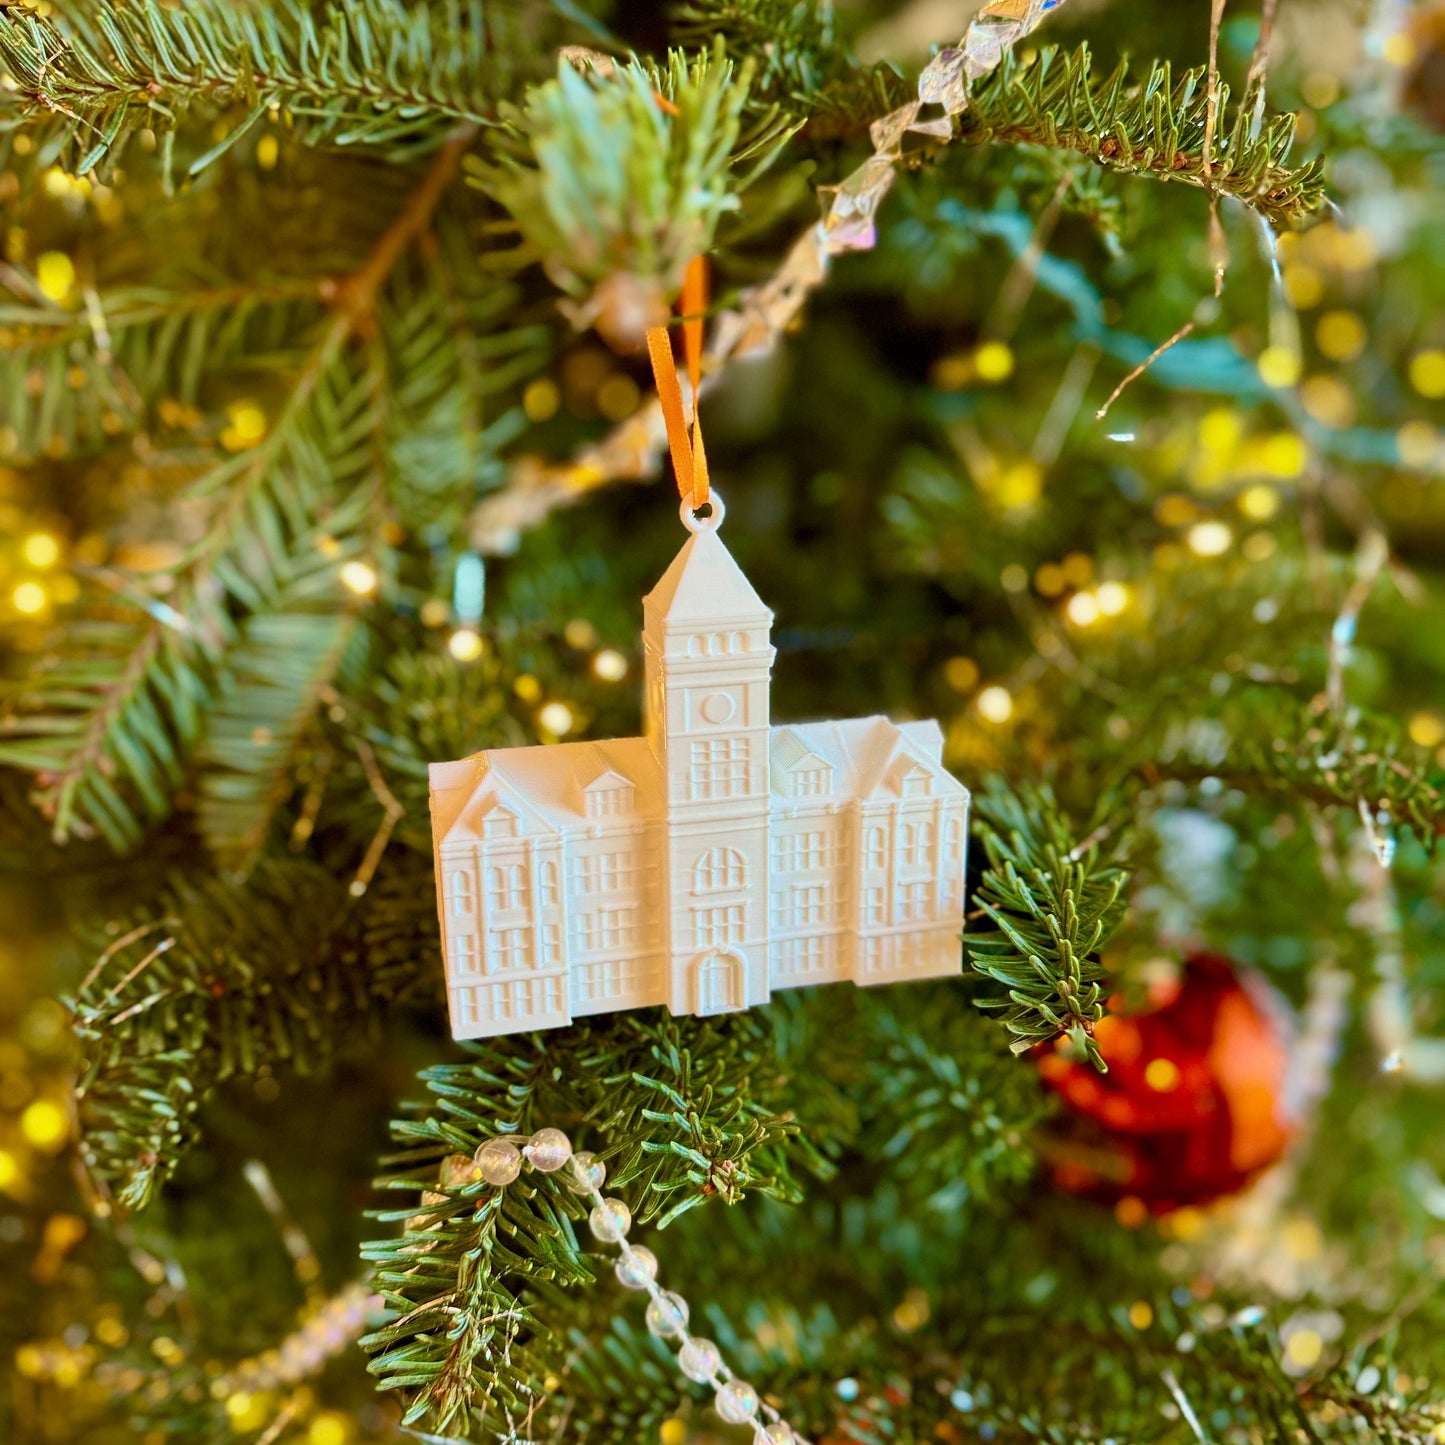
[(1427, 373), (1209, 539), (556, 718), (360, 577), (1341, 335), (996, 704), (610, 665), (1427, 729), (29, 597), (245, 426), (993, 361), (55, 275), (1112, 597), (465, 644), (1259, 503), (41, 549), (1278, 366), (1083, 609)]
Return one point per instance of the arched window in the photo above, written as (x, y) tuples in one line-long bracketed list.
[(694, 646), (460, 891), (714, 644), (720, 869), (953, 846), (877, 852), (738, 642), (547, 885), (917, 844), (508, 888)]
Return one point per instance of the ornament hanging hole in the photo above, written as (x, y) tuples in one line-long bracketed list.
[(706, 518)]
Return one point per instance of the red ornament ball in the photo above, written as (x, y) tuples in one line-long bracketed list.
[(1192, 1106)]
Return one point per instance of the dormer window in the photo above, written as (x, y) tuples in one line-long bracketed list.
[(811, 778), (500, 823), (608, 795), (910, 779)]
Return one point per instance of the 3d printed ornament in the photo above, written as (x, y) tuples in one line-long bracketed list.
[(711, 860)]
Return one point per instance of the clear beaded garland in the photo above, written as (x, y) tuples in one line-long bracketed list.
[(499, 1162)]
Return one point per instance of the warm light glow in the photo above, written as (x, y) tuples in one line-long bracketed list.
[(1083, 609), (1209, 539), (961, 673), (1279, 366), (41, 550), (1304, 285), (610, 665), (329, 1428), (580, 633), (55, 274), (359, 577), (9, 1169), (436, 612), (1341, 335), (465, 644), (527, 687), (556, 718), (996, 704), (541, 399), (1418, 441), (245, 426), (1427, 373), (1161, 1075), (1259, 503), (28, 597), (268, 152), (45, 1125), (993, 361), (1141, 1314), (1427, 729), (1112, 597), (1303, 1349), (1259, 546), (1284, 454)]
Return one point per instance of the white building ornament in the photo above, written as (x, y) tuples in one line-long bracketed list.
[(708, 862)]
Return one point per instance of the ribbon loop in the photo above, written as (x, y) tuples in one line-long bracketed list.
[(689, 459)]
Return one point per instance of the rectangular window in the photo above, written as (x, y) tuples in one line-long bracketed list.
[(608, 928), (551, 943), (715, 927), (508, 888), (513, 949), (467, 1006), (799, 852), (718, 768), (464, 953), (607, 872), (873, 906), (915, 901), (806, 905)]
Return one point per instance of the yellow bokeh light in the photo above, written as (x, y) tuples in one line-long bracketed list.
[(1082, 609), (1284, 454), (245, 426), (610, 665), (527, 687), (1279, 366), (1259, 503), (673, 1432), (1188, 1223), (1078, 569), (29, 598), (556, 718), (1112, 597), (618, 397), (541, 399), (1427, 373), (1259, 546), (1220, 430), (1427, 729), (1018, 485), (1131, 1212), (465, 644), (1341, 335), (1175, 510), (359, 577), (436, 612), (579, 633), (1329, 401), (1304, 1348), (45, 1126), (993, 361), (1141, 1314), (9, 1169), (1304, 285), (1399, 49), (952, 373), (996, 703), (268, 152), (1320, 89), (1162, 1075), (41, 550), (55, 275), (1050, 579), (1209, 539), (247, 1412), (1418, 442), (330, 1427), (1303, 1239), (961, 673)]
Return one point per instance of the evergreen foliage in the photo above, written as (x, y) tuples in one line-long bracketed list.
[(289, 288)]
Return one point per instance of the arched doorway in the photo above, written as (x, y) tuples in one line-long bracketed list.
[(719, 983)]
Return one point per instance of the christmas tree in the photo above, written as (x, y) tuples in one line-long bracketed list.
[(1072, 372)]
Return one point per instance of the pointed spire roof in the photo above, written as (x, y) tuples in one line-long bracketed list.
[(705, 584)]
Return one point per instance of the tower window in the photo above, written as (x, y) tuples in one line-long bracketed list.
[(720, 869), (718, 768)]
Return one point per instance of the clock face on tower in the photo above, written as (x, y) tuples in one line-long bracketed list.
[(718, 708)]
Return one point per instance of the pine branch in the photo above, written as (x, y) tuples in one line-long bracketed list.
[(108, 727), (376, 73), (606, 181), (1055, 903), (1155, 129), (678, 1108)]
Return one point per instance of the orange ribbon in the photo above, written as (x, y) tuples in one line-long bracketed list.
[(689, 460)]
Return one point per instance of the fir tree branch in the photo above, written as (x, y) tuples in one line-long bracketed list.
[(108, 729), (376, 73), (1153, 129), (1054, 903)]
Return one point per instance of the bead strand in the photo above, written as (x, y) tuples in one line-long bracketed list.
[(499, 1162)]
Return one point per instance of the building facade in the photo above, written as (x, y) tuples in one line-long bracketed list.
[(711, 860)]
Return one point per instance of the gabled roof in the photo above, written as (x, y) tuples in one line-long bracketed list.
[(548, 785), (863, 752), (790, 752), (705, 584)]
